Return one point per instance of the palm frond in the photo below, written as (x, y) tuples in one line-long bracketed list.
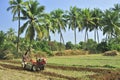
[(23, 28)]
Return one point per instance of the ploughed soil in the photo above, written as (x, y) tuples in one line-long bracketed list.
[(101, 74)]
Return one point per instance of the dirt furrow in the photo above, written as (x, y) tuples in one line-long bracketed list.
[(102, 74), (10, 61), (11, 66), (52, 74), (66, 67), (106, 76), (59, 75), (96, 70)]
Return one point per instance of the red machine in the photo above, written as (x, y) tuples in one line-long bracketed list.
[(39, 64)]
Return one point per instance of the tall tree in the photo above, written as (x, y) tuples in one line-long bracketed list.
[(34, 17), (110, 24), (48, 25), (16, 6), (117, 10), (97, 17), (74, 20), (116, 7), (58, 22), (87, 21)]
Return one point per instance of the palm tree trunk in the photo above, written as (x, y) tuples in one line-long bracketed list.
[(62, 38), (97, 36), (75, 35), (49, 39), (85, 36), (18, 31), (29, 49), (60, 43)]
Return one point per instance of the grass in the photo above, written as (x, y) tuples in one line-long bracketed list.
[(9, 74), (70, 73), (87, 60), (82, 61)]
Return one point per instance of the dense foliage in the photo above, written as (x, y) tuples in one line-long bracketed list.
[(38, 26)]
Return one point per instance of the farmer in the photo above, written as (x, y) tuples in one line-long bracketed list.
[(25, 58)]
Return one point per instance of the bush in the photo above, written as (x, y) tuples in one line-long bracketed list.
[(102, 47), (110, 53), (69, 45), (114, 46), (6, 55), (90, 45)]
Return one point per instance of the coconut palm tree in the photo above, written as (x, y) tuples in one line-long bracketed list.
[(87, 21), (34, 17), (16, 6), (117, 9), (74, 19), (48, 25), (110, 24), (97, 17), (58, 22)]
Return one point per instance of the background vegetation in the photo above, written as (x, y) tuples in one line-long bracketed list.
[(38, 26)]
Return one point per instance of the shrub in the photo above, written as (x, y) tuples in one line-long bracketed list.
[(9, 56), (102, 47), (90, 45), (69, 45), (6, 55)]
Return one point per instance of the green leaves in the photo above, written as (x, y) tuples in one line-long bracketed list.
[(33, 19)]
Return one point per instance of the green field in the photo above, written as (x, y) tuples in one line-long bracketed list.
[(97, 60), (81, 67)]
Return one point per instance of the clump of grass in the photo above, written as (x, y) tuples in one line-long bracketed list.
[(109, 66)]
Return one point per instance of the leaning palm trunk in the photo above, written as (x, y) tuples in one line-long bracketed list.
[(29, 48), (48, 31), (61, 39), (96, 35)]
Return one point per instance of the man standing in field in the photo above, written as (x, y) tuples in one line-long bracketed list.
[(25, 58)]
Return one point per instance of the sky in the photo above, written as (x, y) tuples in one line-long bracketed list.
[(50, 5)]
